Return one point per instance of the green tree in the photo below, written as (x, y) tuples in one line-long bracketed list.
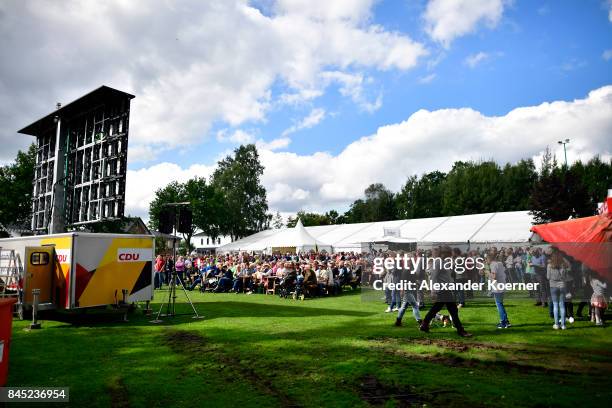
[(422, 198), (332, 216), (596, 175), (517, 182), (16, 189), (473, 188), (277, 221), (377, 205), (559, 194), (238, 178), (208, 206), (174, 192), (205, 201), (309, 219)]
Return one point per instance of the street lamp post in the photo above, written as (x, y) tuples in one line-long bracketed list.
[(564, 142)]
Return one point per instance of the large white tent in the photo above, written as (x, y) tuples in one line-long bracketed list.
[(507, 228)]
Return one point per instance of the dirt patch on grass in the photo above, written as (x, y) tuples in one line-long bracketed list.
[(118, 393), (374, 392), (181, 341), (486, 355)]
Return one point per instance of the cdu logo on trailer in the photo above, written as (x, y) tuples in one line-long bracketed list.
[(62, 256), (134, 254)]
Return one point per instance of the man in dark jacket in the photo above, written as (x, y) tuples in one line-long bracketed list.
[(440, 274)]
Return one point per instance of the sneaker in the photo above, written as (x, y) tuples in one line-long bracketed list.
[(395, 309), (388, 310), (508, 324), (562, 327), (599, 324), (571, 320), (556, 326), (424, 328), (501, 326), (398, 322), (459, 305)]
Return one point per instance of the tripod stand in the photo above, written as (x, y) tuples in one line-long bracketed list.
[(171, 302)]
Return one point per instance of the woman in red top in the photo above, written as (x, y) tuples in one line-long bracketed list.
[(159, 277)]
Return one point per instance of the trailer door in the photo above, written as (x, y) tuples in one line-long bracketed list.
[(38, 273)]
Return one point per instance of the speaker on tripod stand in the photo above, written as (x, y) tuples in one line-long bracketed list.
[(167, 221)]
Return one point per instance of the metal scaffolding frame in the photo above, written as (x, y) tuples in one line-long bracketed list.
[(81, 161)]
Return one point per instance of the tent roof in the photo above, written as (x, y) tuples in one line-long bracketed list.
[(588, 240), (490, 227), (513, 224), (297, 236), (597, 228)]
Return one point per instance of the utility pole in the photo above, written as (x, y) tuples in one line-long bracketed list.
[(564, 142)]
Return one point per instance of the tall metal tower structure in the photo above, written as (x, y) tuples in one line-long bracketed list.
[(81, 161)]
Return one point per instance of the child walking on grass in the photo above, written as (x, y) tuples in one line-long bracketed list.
[(598, 300)]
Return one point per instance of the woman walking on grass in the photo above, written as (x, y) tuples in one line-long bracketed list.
[(557, 273)]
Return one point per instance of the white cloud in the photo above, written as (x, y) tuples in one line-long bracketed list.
[(352, 85), (142, 184), (190, 64), (427, 78), (607, 55), (275, 144), (426, 141), (238, 136), (314, 118), (142, 153), (446, 20), (473, 60)]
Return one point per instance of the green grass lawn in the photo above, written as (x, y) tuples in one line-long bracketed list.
[(261, 350)]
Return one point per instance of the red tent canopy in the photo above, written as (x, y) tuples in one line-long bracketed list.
[(588, 240)]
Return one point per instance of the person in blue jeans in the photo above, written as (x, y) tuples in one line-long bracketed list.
[(408, 297), (557, 273), (392, 276), (498, 274)]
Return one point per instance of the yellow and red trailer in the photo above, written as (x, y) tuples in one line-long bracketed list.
[(78, 270)]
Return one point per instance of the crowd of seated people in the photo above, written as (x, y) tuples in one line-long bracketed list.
[(317, 274), (561, 280)]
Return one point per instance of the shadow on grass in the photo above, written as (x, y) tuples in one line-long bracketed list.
[(184, 313)]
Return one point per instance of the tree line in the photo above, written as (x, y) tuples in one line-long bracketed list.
[(554, 193), (16, 188), (232, 201)]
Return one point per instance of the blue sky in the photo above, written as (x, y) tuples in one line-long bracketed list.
[(540, 51), (336, 94)]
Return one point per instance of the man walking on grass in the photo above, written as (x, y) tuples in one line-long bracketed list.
[(440, 274)]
